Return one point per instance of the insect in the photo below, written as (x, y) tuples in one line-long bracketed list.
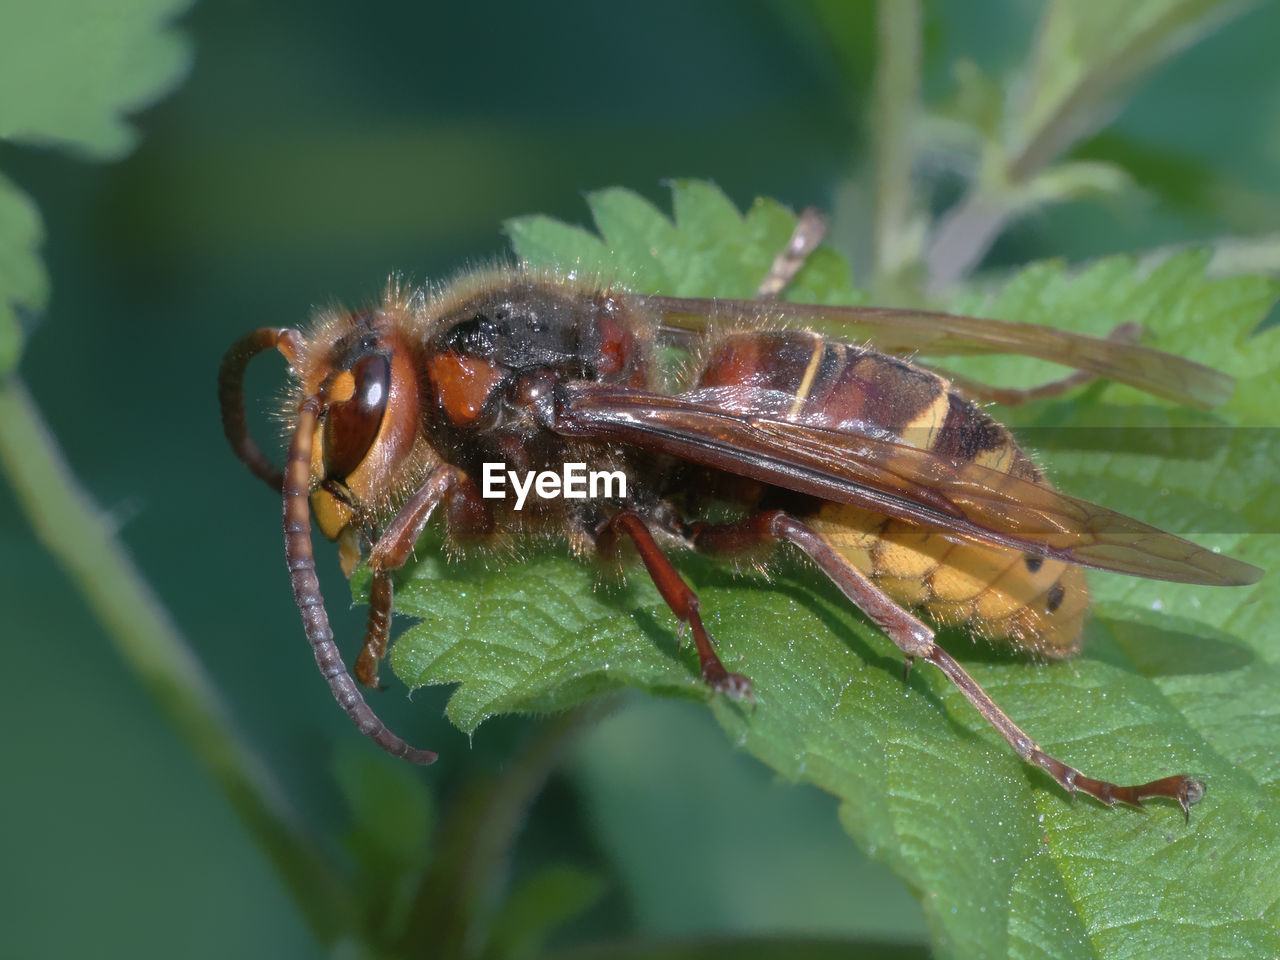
[(890, 479)]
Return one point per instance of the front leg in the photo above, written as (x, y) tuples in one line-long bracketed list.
[(394, 547)]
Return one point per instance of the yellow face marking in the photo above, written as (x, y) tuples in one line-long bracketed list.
[(343, 387), (811, 371), (330, 513)]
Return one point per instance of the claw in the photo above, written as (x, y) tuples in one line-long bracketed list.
[(737, 687), (733, 685)]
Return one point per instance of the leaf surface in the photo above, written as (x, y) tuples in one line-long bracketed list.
[(71, 69), (24, 285)]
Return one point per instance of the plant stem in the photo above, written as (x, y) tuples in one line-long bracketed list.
[(81, 539), (897, 81), (454, 906), (963, 236), (1237, 255), (1071, 82)]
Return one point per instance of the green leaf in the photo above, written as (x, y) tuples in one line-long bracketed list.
[(764, 948), (390, 810), (977, 104), (1183, 182), (391, 819), (710, 250), (24, 286), (540, 641), (849, 32), (1072, 180), (542, 240), (1086, 56), (1174, 678), (71, 69), (547, 900)]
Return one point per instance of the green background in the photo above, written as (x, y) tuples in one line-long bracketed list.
[(314, 148)]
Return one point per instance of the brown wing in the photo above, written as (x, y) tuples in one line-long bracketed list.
[(958, 499), (944, 334)]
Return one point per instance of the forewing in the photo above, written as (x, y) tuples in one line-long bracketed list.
[(958, 499), (943, 334)]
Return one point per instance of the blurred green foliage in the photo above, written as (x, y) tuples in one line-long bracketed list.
[(315, 147)]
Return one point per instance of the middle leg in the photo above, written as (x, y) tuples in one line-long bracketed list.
[(678, 595)]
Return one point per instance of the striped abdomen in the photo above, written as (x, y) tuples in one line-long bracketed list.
[(999, 592)]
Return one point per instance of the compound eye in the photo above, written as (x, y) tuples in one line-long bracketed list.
[(358, 400)]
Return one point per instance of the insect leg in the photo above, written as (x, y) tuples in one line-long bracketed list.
[(916, 640), (306, 591), (1126, 333), (679, 597), (231, 395), (808, 234), (393, 548)]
